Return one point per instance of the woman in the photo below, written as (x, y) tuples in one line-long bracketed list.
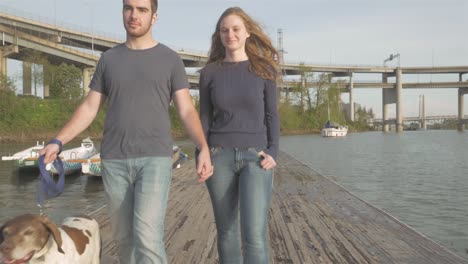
[(238, 109)]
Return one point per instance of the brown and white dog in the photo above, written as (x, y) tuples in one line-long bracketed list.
[(37, 240)]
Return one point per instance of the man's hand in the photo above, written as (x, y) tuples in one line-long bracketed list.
[(268, 162), (204, 167), (189, 116), (50, 151)]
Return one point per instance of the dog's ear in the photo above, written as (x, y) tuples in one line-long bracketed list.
[(1, 233), (54, 231)]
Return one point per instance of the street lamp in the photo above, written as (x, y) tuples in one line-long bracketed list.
[(391, 57)]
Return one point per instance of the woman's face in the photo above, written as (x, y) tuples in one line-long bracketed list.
[(233, 33)]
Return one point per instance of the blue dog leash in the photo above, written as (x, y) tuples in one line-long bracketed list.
[(47, 186)]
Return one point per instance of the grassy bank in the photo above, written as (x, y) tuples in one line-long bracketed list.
[(26, 118), (29, 118)]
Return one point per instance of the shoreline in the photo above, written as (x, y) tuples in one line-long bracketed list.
[(46, 136), (23, 137), (176, 135)]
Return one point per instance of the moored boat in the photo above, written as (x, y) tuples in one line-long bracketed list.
[(334, 130), (27, 158), (73, 158), (92, 166)]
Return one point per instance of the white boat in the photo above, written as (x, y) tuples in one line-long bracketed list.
[(27, 158), (176, 152), (73, 158), (334, 130), (92, 166)]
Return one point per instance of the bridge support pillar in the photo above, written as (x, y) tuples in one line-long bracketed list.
[(351, 100), (87, 73), (3, 64), (303, 89), (399, 113), (461, 116), (385, 103), (46, 82), (422, 113), (27, 75), (5, 51)]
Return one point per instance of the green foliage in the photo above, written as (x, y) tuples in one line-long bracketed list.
[(291, 118), (31, 116), (7, 103), (361, 117), (176, 124), (178, 129), (7, 83), (38, 63), (64, 81), (446, 124), (308, 109)]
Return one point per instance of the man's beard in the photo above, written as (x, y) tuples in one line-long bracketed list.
[(139, 33)]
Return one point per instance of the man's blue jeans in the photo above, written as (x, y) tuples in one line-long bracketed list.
[(137, 190), (240, 189)]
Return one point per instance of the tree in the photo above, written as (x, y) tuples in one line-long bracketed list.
[(321, 90), (334, 99), (64, 81), (7, 83), (38, 63), (307, 76)]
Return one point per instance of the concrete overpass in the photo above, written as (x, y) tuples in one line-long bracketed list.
[(58, 44), (79, 39), (421, 121), (427, 118)]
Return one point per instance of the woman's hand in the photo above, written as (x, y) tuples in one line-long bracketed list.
[(267, 162), (204, 166)]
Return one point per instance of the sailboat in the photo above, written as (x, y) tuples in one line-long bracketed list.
[(332, 129)]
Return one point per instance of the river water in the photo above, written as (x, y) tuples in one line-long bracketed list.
[(18, 190), (419, 177)]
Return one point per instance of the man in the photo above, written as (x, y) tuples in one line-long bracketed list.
[(138, 78)]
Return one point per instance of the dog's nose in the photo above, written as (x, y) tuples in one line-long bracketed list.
[(5, 247)]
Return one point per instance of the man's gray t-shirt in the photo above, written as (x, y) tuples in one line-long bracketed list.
[(139, 85)]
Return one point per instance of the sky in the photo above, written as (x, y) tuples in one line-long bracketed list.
[(343, 32)]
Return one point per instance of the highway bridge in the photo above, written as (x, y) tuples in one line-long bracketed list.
[(419, 119), (19, 36)]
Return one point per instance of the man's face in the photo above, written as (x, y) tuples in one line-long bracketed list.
[(138, 17)]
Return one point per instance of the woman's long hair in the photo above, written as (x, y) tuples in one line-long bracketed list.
[(262, 55)]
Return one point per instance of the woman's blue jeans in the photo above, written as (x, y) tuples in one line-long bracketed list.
[(240, 189), (137, 190)]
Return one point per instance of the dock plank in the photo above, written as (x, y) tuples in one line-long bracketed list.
[(312, 220)]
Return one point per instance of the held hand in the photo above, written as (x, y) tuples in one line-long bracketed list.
[(204, 166), (267, 162), (50, 151)]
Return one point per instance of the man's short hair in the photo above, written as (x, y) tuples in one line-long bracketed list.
[(154, 6)]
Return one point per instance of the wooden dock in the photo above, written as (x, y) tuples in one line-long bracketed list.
[(312, 220)]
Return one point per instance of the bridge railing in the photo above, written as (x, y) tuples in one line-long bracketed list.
[(54, 22)]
